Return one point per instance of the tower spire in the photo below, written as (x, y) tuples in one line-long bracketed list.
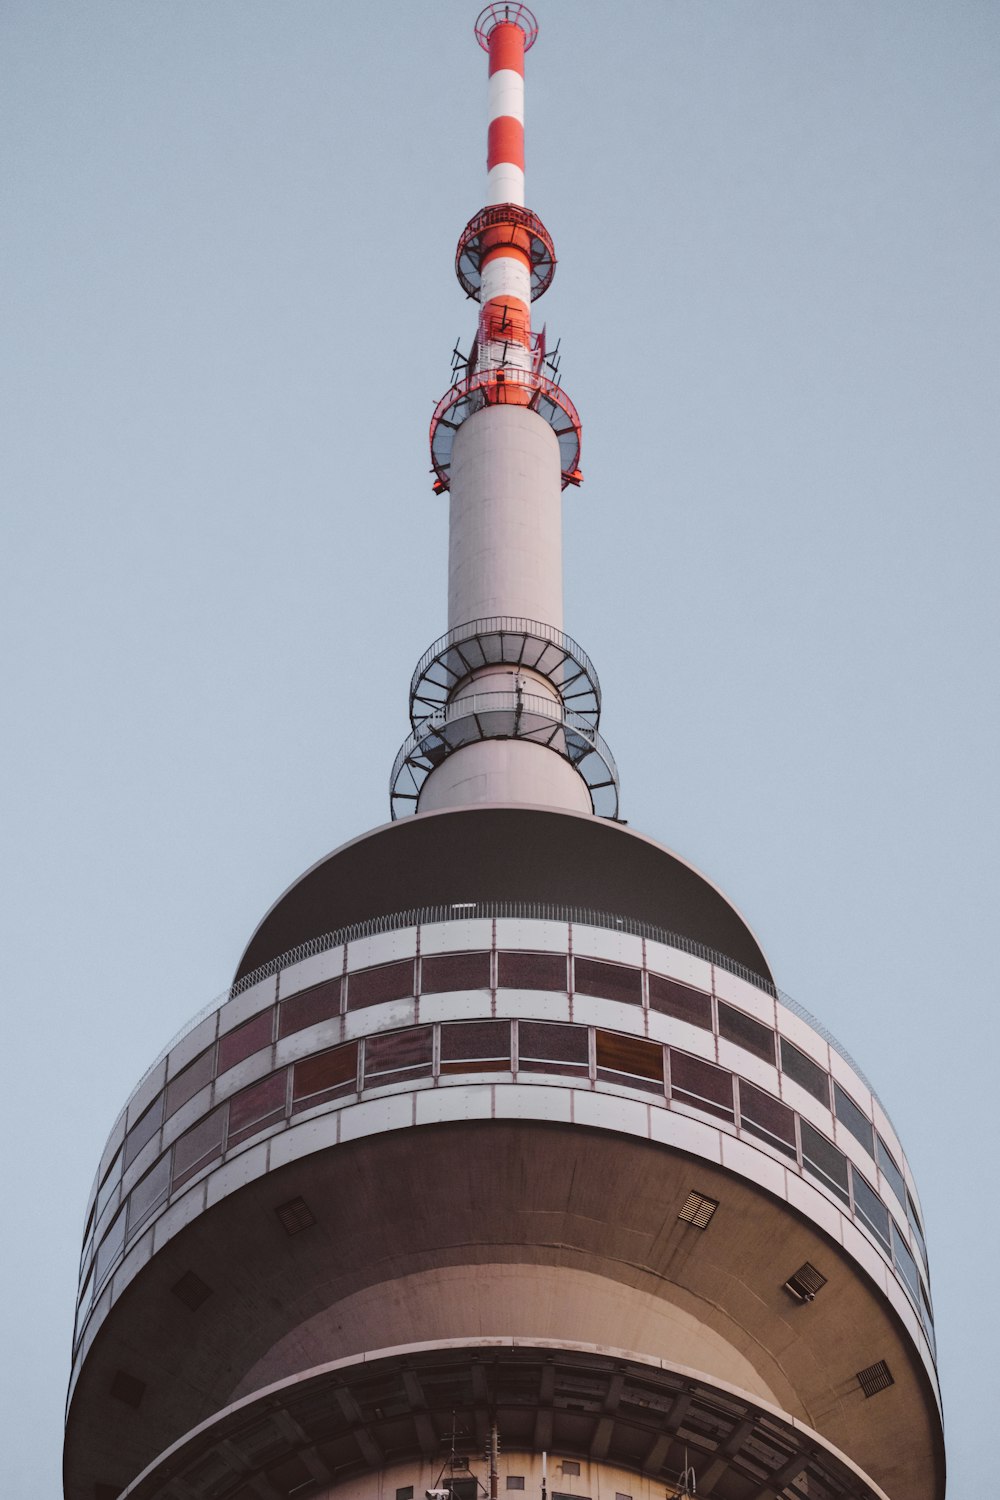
[(505, 707)]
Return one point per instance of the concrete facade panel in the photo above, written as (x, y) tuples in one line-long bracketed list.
[(390, 1017), (807, 1040), (606, 943), (849, 1080), (191, 1044), (147, 1091), (469, 1102), (815, 1204), (808, 1107), (236, 1173), (463, 1005), (535, 1005), (133, 1263), (532, 936), (310, 971), (250, 1002), (740, 1156), (454, 937), (517, 1101), (681, 1034), (311, 1039), (627, 1116), (301, 1140), (740, 1061), (614, 1015), (747, 997), (382, 948), (392, 1112), (675, 964), (182, 1211), (686, 1134)]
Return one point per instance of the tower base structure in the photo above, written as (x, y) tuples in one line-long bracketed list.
[(531, 1152)]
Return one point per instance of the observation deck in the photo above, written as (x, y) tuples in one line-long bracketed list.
[(638, 1145)]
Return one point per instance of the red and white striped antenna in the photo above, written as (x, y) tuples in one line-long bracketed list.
[(505, 259)]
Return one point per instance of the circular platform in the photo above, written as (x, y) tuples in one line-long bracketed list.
[(505, 640), (509, 387), (504, 716), (505, 225)]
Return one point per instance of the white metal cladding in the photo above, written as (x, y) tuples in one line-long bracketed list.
[(110, 1261)]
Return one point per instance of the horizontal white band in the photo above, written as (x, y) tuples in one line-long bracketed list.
[(506, 95), (506, 277), (505, 184)]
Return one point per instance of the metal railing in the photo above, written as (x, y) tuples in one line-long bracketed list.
[(506, 625), (499, 716)]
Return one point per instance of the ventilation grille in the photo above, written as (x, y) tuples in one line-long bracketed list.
[(191, 1290), (876, 1378), (128, 1389), (295, 1215), (804, 1283), (698, 1210)]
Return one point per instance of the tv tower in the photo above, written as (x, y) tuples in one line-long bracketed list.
[(504, 1165)]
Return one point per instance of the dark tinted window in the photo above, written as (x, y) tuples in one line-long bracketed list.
[(905, 1263), (475, 1046), (454, 971), (401, 1054), (532, 971), (328, 1075), (853, 1120), (805, 1072), (261, 1104), (767, 1118), (188, 1082), (671, 998), (148, 1194), (547, 1047), (700, 1083), (746, 1032), (821, 1158), (144, 1129), (610, 981), (309, 1008), (379, 985), (253, 1036), (870, 1209), (629, 1059), (893, 1175), (199, 1146)]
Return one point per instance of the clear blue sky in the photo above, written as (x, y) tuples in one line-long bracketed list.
[(229, 304)]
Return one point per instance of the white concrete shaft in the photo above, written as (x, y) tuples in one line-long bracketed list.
[(506, 680), (505, 532), (512, 771)]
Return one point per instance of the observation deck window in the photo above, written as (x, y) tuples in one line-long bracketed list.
[(821, 1158), (765, 1117), (890, 1171), (741, 1029), (399, 1055), (548, 1047), (475, 1047), (143, 1130), (915, 1225), (670, 998), (905, 1264), (199, 1146), (609, 981), (328, 1075), (630, 1060), (532, 971), (189, 1081), (378, 985), (701, 1084), (852, 1119), (243, 1041), (111, 1246), (803, 1071), (454, 971), (147, 1195), (256, 1107), (309, 1008), (870, 1209)]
